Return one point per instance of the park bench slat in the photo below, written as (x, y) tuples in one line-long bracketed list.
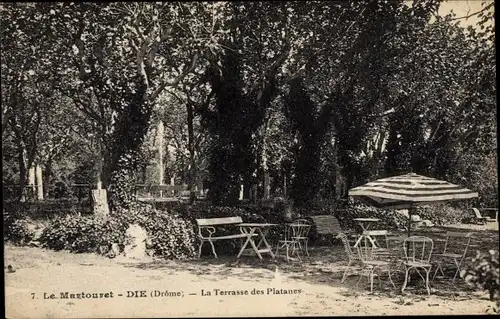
[(219, 221), (231, 236)]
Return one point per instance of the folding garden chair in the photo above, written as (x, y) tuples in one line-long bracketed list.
[(328, 226), (371, 264), (364, 257), (482, 219), (353, 257), (389, 246), (455, 249), (418, 252), (296, 238)]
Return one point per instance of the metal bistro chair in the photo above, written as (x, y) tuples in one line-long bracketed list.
[(456, 252), (418, 252), (372, 264), (296, 238), (353, 258), (389, 247)]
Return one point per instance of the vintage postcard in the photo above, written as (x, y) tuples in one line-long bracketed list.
[(249, 159)]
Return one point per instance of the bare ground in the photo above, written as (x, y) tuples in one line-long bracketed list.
[(40, 271)]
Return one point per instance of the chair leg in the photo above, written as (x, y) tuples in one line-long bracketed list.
[(346, 271), (390, 279), (427, 271), (199, 249), (438, 265), (459, 264), (278, 249), (420, 274), (307, 252), (440, 268), (406, 279), (296, 246), (359, 279), (213, 249), (371, 279)]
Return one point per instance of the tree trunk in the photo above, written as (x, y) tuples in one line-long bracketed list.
[(392, 148), (192, 163), (284, 187), (160, 153), (267, 186), (126, 142), (46, 179), (39, 182), (23, 173)]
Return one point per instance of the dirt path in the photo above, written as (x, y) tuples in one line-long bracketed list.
[(41, 273)]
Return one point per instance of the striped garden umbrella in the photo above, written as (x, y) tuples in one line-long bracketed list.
[(409, 190)]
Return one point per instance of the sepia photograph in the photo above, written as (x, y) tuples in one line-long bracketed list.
[(193, 159)]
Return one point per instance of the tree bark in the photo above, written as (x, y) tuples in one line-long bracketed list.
[(192, 163), (267, 186), (39, 182), (23, 172), (46, 178)]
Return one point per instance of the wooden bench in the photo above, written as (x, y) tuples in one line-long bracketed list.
[(206, 230)]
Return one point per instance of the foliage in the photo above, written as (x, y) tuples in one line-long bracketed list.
[(390, 219), (484, 274), (16, 229), (444, 214), (388, 90), (79, 233), (301, 112), (171, 237)]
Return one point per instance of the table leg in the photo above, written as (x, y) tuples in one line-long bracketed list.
[(249, 239), (358, 241), (263, 240), (371, 241), (252, 242)]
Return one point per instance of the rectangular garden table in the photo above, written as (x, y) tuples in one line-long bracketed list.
[(250, 229), (365, 225)]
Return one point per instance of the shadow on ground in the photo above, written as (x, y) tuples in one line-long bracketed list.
[(325, 266)]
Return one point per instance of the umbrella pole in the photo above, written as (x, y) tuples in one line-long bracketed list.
[(410, 211)]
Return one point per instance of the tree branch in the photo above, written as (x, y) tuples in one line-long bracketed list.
[(177, 80), (472, 14)]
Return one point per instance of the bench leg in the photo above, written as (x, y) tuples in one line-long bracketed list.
[(213, 248), (199, 250)]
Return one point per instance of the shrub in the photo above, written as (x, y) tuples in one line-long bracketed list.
[(78, 233), (390, 219), (171, 236), (442, 214), (16, 228), (484, 274)]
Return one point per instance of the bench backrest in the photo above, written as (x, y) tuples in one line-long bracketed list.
[(327, 224), (219, 221)]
